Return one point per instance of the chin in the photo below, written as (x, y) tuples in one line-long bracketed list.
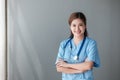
[(79, 35)]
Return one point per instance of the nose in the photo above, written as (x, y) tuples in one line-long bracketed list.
[(77, 28)]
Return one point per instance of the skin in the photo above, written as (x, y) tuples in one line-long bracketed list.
[(77, 27)]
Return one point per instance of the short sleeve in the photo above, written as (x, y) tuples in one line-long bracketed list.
[(60, 52), (93, 53)]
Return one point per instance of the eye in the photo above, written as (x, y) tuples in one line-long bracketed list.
[(81, 25), (74, 25)]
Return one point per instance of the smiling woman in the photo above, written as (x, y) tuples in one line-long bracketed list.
[(2, 40), (78, 54), (36, 27)]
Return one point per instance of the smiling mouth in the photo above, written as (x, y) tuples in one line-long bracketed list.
[(78, 32)]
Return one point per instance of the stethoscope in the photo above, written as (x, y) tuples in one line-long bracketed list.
[(79, 51)]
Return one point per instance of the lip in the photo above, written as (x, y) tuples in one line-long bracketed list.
[(78, 32)]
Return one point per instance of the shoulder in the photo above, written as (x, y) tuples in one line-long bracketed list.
[(91, 42), (64, 42)]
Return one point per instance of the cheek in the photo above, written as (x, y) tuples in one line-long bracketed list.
[(83, 28), (71, 28)]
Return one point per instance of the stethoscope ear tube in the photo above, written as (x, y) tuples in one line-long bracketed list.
[(69, 40), (81, 46)]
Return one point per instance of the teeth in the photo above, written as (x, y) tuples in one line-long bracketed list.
[(78, 32)]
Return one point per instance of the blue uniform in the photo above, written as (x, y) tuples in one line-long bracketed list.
[(89, 51)]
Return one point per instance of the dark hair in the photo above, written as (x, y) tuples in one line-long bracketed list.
[(81, 16)]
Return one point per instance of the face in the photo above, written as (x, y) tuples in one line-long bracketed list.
[(77, 27)]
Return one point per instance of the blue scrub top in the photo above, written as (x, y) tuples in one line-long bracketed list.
[(89, 51)]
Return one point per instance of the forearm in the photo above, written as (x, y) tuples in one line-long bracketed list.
[(87, 65), (81, 66), (68, 70)]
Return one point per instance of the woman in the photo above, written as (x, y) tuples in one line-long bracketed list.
[(78, 54)]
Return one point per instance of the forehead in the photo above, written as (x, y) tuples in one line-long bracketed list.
[(77, 21)]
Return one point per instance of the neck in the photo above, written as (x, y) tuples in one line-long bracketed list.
[(78, 39)]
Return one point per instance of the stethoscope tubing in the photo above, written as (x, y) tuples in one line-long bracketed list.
[(79, 51)]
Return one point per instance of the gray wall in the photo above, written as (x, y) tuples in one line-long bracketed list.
[(36, 27)]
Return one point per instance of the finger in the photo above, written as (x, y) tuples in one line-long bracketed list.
[(86, 59), (60, 60)]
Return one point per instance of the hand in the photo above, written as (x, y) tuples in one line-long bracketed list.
[(86, 60), (62, 63), (59, 68)]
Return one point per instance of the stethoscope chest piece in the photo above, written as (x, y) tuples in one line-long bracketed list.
[(75, 58)]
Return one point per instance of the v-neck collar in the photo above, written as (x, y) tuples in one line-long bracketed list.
[(78, 45)]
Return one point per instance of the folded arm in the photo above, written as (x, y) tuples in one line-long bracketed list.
[(67, 70), (74, 68), (87, 65)]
